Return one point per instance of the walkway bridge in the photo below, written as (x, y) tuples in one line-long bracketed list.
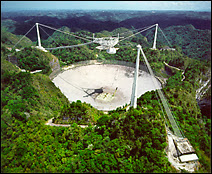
[(108, 44)]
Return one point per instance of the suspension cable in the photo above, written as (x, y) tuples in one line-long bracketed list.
[(72, 46), (85, 90), (165, 37), (158, 100), (64, 32), (115, 77), (23, 36), (138, 32), (148, 33), (75, 86), (49, 35), (134, 30), (161, 107), (175, 119), (163, 99)]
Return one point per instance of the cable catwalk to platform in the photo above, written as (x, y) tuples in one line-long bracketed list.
[(108, 44), (185, 151)]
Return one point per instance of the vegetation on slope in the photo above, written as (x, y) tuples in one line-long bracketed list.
[(23, 91), (195, 43), (188, 29), (121, 141), (32, 59), (9, 39), (77, 112)]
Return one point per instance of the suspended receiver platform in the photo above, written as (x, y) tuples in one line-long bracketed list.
[(107, 43)]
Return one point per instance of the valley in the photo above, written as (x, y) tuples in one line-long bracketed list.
[(124, 139)]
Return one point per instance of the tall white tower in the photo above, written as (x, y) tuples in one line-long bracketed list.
[(156, 30), (39, 41), (134, 88), (38, 34)]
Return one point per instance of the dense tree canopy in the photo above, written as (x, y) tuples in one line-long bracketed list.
[(120, 141)]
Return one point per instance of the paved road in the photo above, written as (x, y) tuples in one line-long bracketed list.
[(49, 122), (176, 69)]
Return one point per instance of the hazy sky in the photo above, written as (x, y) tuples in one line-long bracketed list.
[(107, 5)]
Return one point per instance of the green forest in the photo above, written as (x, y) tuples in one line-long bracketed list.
[(121, 141)]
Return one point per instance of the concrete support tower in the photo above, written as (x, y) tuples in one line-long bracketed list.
[(134, 88), (156, 30), (38, 34), (39, 41)]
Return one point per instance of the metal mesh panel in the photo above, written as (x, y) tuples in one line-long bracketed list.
[(163, 99)]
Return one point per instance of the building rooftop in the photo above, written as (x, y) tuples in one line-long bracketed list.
[(184, 146), (188, 157)]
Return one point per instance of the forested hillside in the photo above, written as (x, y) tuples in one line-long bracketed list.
[(189, 30), (195, 43), (120, 141)]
